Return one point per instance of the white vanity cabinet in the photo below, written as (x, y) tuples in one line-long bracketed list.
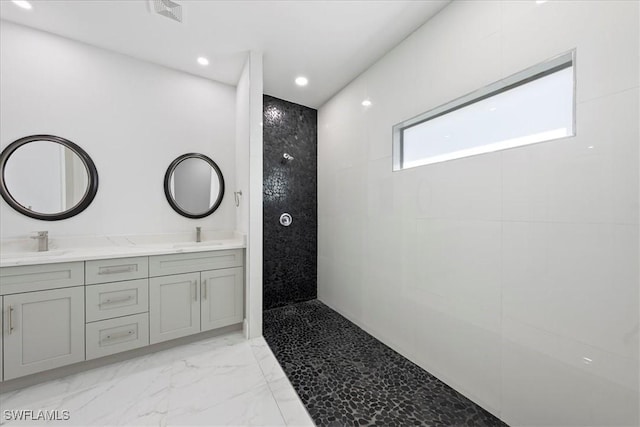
[(208, 294), (44, 327), (59, 314)]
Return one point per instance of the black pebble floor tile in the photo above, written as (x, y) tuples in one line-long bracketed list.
[(346, 377)]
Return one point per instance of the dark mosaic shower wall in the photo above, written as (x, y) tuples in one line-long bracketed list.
[(289, 266)]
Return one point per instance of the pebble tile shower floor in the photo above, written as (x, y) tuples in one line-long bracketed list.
[(346, 377)]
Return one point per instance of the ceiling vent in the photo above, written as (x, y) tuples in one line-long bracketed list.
[(168, 8)]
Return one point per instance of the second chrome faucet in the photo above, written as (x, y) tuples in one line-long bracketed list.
[(43, 240)]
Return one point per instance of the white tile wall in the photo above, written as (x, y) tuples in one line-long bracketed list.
[(512, 276)]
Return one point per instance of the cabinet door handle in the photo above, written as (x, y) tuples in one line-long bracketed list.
[(116, 301), (10, 319), (116, 270), (117, 336), (203, 289), (195, 290)]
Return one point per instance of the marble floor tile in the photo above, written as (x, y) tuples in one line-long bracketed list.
[(219, 381), (201, 382), (267, 361), (291, 408), (255, 407)]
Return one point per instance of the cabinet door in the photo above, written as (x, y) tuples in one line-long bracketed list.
[(222, 297), (43, 330), (174, 306)]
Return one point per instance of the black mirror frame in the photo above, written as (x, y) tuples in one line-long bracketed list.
[(92, 172), (167, 180)]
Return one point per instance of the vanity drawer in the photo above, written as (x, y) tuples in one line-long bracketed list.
[(116, 335), (115, 270), (117, 299), (163, 265), (29, 278)]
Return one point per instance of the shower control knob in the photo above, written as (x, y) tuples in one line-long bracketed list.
[(285, 219)]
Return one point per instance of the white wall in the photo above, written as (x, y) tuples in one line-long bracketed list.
[(132, 117), (256, 149), (249, 177), (243, 102), (512, 276)]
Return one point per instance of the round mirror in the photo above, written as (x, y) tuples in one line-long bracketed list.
[(47, 177), (194, 185)]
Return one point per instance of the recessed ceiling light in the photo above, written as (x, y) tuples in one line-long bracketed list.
[(366, 103), (302, 81), (540, 1), (23, 4), (203, 61), (493, 108)]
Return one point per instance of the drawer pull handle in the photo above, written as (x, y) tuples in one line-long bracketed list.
[(116, 301), (118, 270), (10, 319), (114, 337)]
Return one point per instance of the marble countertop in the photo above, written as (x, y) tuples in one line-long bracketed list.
[(14, 252)]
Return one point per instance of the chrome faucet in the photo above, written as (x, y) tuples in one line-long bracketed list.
[(43, 241), (198, 234)]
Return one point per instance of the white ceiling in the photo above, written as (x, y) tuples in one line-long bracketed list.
[(330, 42)]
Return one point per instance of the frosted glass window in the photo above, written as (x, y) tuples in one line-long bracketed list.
[(533, 106)]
